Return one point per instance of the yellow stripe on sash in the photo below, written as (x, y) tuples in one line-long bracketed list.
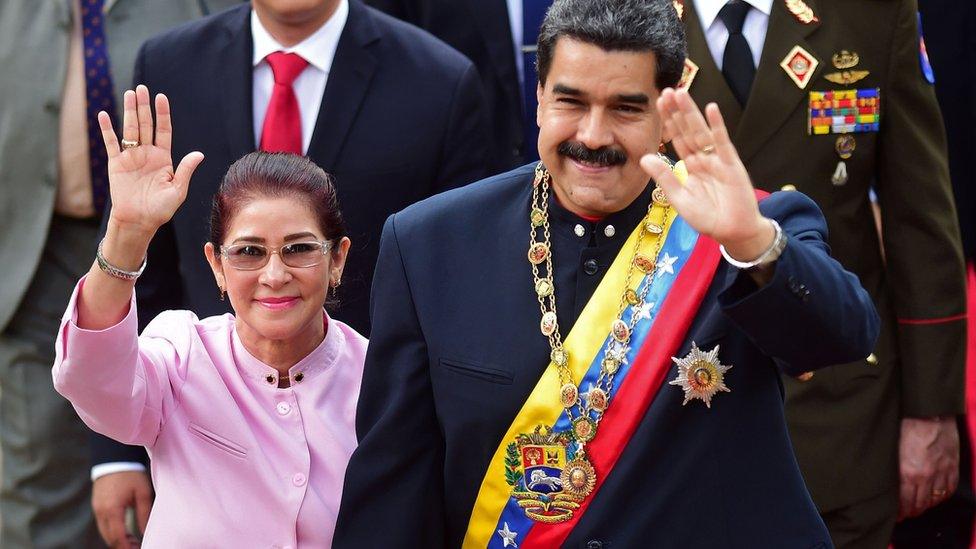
[(583, 343)]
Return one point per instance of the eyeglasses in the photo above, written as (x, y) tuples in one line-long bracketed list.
[(250, 257)]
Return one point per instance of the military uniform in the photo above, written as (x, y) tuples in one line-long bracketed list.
[(840, 104)]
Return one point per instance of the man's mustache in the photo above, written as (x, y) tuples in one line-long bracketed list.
[(604, 156)]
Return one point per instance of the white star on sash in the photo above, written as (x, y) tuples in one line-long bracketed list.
[(666, 264), (508, 536), (643, 311)]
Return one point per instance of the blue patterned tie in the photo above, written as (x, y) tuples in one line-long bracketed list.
[(98, 94), (533, 12)]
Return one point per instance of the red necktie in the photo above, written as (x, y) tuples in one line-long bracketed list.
[(282, 131)]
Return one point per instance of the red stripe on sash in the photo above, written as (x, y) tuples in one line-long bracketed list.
[(646, 376)]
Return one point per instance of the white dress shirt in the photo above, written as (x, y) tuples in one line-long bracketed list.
[(318, 49), (515, 21), (753, 28)]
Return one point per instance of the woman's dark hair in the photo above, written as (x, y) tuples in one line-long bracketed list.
[(627, 25), (276, 175)]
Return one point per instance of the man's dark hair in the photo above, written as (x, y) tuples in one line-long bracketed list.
[(628, 25)]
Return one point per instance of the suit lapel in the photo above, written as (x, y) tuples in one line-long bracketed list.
[(709, 86), (349, 78), (774, 95), (234, 73)]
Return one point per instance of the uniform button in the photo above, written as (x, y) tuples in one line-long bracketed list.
[(283, 408), (298, 480), (872, 359), (609, 231), (579, 230), (590, 267), (270, 379), (594, 544), (788, 188)]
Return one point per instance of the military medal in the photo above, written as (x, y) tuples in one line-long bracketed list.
[(799, 65), (700, 375), (549, 471), (802, 12), (845, 149), (844, 111), (548, 323), (538, 253), (845, 60)]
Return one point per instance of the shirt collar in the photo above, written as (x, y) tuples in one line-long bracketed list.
[(318, 49), (708, 9), (564, 221)]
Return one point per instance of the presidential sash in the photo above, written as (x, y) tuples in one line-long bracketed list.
[(521, 501)]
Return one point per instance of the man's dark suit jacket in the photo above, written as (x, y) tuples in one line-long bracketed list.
[(401, 119), (456, 349), (479, 29)]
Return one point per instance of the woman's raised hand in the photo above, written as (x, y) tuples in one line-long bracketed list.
[(145, 189)]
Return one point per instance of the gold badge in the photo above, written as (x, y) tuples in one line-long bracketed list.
[(559, 357), (578, 478), (584, 429), (845, 146), (548, 323), (802, 11), (659, 196), (543, 287), (799, 65), (538, 253), (631, 297), (700, 375), (597, 399), (620, 331), (643, 263), (611, 365), (537, 217), (845, 59), (846, 77), (688, 74), (568, 395)]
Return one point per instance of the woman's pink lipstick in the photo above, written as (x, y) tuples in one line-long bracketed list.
[(278, 303)]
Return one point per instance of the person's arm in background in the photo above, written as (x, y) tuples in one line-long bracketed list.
[(924, 268)]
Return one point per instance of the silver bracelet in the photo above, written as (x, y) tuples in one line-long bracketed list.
[(770, 255), (114, 271)]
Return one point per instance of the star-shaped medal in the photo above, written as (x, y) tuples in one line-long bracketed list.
[(508, 536), (666, 264), (700, 375)]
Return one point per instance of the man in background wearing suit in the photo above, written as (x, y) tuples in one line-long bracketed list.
[(829, 98), (394, 114), (64, 61), (499, 36)]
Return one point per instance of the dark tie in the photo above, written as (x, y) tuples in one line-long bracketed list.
[(282, 129), (533, 12), (737, 64), (98, 95)]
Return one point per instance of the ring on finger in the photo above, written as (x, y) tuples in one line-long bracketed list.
[(129, 143), (708, 149)]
